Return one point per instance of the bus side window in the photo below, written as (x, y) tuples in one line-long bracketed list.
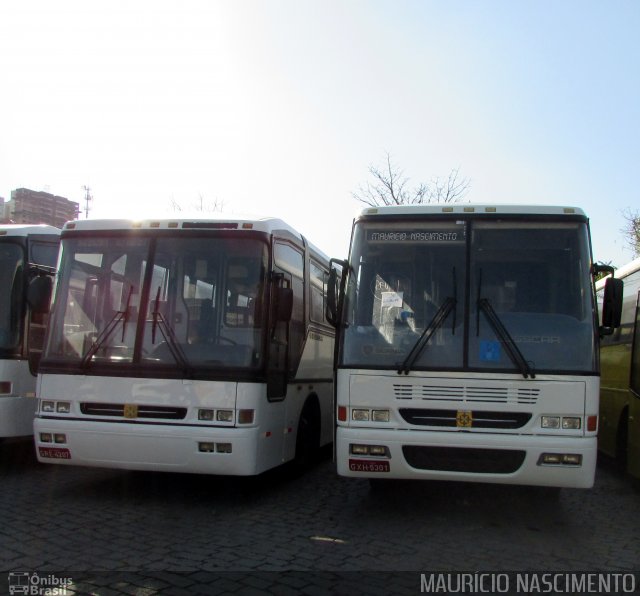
[(291, 260)]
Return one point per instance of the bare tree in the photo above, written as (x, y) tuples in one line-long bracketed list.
[(391, 187), (631, 230), (201, 205)]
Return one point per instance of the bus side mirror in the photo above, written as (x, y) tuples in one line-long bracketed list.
[(39, 293), (283, 307), (611, 305), (333, 291)]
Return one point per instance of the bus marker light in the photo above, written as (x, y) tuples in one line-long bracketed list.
[(63, 407), (550, 422), (223, 447), (224, 415), (46, 438), (60, 438), (380, 415), (342, 413), (205, 414), (592, 423), (571, 422), (360, 415), (245, 416), (206, 447)]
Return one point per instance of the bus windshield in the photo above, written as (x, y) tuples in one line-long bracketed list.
[(183, 305), (11, 296), (495, 295)]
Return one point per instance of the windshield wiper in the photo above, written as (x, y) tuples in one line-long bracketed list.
[(107, 332), (443, 312), (159, 322), (505, 338)]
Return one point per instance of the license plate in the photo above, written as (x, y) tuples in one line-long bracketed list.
[(55, 452), (366, 465)]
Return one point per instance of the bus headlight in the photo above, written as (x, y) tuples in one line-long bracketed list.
[(360, 415), (47, 406), (571, 422), (380, 415), (224, 415), (550, 422), (63, 407), (205, 414)]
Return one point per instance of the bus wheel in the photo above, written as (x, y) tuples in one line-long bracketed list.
[(308, 437)]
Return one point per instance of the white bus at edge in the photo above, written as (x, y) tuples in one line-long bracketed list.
[(22, 246)]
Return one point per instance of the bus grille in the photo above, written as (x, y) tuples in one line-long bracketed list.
[(117, 410), (471, 394), (480, 419), (464, 459)]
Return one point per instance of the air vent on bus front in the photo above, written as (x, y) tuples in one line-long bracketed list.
[(499, 395), (142, 411)]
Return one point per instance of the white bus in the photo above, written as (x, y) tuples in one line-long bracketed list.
[(26, 252), (467, 346), (186, 346)]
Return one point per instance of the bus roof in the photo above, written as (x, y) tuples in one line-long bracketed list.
[(622, 272), (268, 225), (628, 269), (27, 230), (175, 223), (469, 209)]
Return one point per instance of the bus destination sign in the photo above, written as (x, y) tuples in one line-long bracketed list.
[(421, 236)]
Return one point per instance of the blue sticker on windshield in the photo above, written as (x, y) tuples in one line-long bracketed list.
[(489, 351)]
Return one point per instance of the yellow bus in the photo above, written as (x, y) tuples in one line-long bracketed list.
[(619, 433)]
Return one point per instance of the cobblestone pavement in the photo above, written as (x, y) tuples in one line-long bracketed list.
[(118, 532)]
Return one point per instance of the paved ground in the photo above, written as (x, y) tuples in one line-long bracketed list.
[(113, 532)]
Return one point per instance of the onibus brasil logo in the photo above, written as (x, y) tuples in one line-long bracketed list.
[(24, 582)]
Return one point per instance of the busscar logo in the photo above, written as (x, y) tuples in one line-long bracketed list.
[(464, 419), (24, 582)]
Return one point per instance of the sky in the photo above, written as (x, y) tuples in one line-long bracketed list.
[(279, 107)]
